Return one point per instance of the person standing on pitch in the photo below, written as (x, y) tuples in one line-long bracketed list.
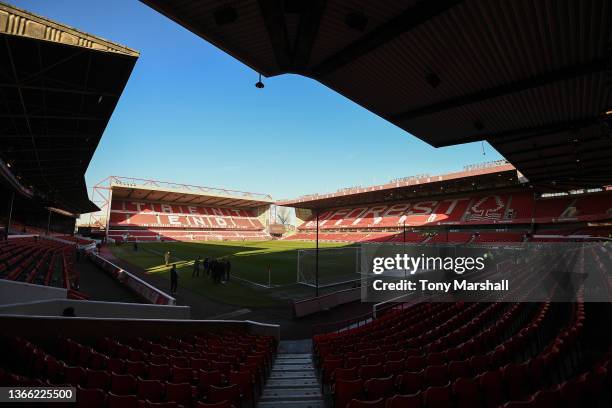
[(173, 280), (167, 257), (196, 268)]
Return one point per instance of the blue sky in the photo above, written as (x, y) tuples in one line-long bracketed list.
[(191, 114)]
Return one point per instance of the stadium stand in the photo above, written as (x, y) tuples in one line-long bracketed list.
[(464, 355), (192, 371), (145, 211), (518, 208)]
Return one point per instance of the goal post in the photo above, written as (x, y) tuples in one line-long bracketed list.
[(336, 266)]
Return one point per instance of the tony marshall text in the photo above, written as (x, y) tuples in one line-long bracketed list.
[(455, 285)]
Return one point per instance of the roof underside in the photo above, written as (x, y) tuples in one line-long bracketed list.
[(532, 78), (187, 198), (507, 179), (58, 90)]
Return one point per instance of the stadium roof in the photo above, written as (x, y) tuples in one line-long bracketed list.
[(150, 190), (467, 181), (532, 78), (58, 89)]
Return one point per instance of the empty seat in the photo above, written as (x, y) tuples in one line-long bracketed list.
[(151, 390), (380, 387), (355, 403), (467, 393), (97, 379), (179, 393), (409, 382), (121, 401), (438, 397), (346, 390), (122, 384), (90, 397), (230, 393), (405, 401)]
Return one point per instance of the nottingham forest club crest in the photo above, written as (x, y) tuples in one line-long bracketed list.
[(487, 208)]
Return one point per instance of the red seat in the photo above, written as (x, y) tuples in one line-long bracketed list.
[(197, 364), (516, 378), (520, 404), (479, 364), (436, 358), (380, 387), (179, 393), (346, 374), (368, 371), (116, 365), (394, 367), (75, 375), (159, 372), (122, 384), (572, 392), (245, 381), (547, 398), (492, 388), (409, 382), (222, 404), (151, 404), (230, 393), (438, 397), (436, 375), (136, 368), (458, 369), (90, 397), (405, 401), (208, 378), (182, 362), (181, 375), (355, 403), (414, 363), (467, 393), (98, 361), (54, 370), (97, 379), (151, 390), (346, 390), (121, 401)]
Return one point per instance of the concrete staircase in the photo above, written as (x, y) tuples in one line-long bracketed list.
[(292, 383)]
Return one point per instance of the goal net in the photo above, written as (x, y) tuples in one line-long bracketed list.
[(336, 266)]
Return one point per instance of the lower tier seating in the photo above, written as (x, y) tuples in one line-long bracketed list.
[(164, 235), (221, 369), (38, 261)]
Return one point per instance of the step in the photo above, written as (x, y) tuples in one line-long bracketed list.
[(292, 404), (294, 355), (288, 394), (292, 383), (292, 367), (293, 361), (281, 375)]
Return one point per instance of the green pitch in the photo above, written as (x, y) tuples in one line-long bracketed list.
[(249, 260)]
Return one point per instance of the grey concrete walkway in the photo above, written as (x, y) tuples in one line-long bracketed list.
[(292, 383), (100, 286)]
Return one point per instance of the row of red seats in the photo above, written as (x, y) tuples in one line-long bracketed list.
[(35, 260), (185, 235), (126, 374), (487, 389)]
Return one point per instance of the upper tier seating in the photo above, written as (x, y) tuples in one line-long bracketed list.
[(516, 208), (153, 215)]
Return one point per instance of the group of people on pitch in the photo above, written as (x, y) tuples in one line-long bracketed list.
[(217, 269)]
